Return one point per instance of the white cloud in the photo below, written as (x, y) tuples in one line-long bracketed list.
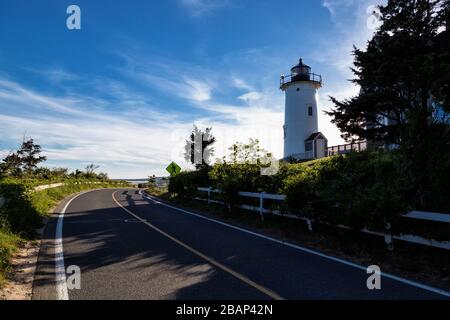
[(244, 123), (79, 132), (335, 5), (198, 90), (132, 138), (170, 76), (59, 75), (183, 87), (251, 96), (201, 7), (135, 141), (241, 83), (350, 19)]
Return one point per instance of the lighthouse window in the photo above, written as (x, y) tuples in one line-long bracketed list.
[(310, 111)]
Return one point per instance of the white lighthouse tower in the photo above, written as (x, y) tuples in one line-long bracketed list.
[(302, 139)]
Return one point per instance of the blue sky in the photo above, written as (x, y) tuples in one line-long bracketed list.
[(124, 91)]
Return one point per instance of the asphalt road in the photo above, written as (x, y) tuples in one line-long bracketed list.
[(152, 251)]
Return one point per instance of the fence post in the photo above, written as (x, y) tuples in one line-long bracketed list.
[(209, 195), (261, 205), (309, 223), (388, 237)]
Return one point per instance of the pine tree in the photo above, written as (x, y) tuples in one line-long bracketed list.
[(29, 154), (403, 74), (11, 165)]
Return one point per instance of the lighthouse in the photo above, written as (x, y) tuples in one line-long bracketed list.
[(302, 139)]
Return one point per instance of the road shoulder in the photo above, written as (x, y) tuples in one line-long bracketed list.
[(44, 284), (19, 283)]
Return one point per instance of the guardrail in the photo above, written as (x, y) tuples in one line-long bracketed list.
[(48, 186), (35, 189), (286, 79), (3, 200), (388, 237)]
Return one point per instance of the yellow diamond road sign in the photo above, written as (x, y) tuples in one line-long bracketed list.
[(173, 169)]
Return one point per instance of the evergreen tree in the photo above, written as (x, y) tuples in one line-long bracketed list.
[(90, 170), (30, 157), (24, 160), (11, 165), (403, 74)]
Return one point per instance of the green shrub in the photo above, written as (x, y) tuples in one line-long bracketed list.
[(8, 246), (363, 189), (18, 215), (185, 183), (23, 211), (366, 189)]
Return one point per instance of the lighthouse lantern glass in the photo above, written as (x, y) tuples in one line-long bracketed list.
[(295, 71), (305, 70)]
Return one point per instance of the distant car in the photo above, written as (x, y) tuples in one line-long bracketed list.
[(143, 185)]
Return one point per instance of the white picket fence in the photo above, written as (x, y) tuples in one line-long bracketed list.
[(388, 237)]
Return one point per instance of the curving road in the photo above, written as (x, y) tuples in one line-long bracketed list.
[(130, 247)]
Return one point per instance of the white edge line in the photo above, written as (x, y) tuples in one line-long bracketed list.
[(348, 263), (60, 270)]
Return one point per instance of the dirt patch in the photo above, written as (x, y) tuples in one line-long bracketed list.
[(19, 283)]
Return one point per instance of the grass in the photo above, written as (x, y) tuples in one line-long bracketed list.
[(46, 199), (158, 191), (24, 213), (8, 246)]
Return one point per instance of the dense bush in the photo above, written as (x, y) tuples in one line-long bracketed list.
[(185, 184), (8, 246), (367, 189), (18, 214), (23, 211), (234, 177), (363, 189)]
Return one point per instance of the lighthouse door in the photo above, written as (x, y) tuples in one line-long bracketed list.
[(320, 148)]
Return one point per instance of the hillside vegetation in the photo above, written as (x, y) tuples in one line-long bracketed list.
[(367, 189), (24, 208)]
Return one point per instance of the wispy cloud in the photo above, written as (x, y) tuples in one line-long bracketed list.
[(334, 6), (240, 83), (138, 139), (201, 7), (350, 19), (123, 123), (183, 87), (170, 76), (88, 133), (58, 75)]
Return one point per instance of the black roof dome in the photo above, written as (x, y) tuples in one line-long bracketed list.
[(301, 72), (300, 65)]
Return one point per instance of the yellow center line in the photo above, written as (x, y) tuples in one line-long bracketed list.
[(210, 260)]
